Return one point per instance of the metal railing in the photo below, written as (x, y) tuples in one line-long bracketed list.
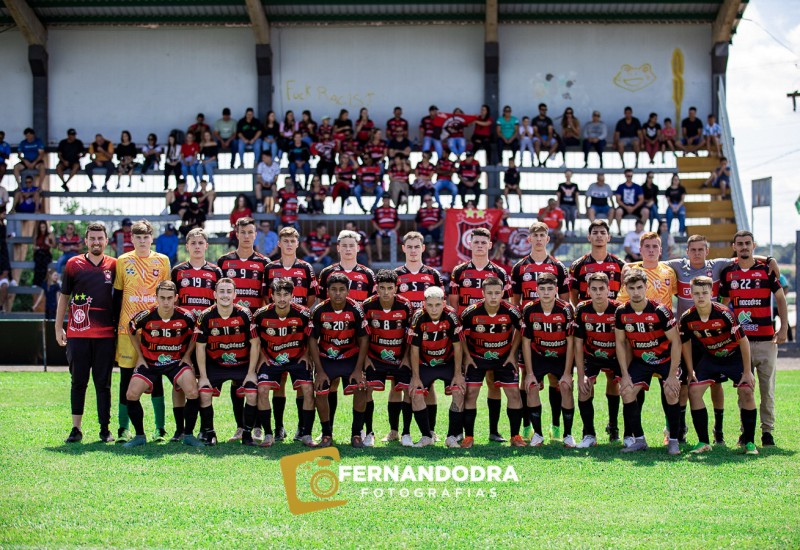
[(737, 196)]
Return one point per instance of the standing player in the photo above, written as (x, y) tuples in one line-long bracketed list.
[(138, 274), (283, 328), (338, 347), (726, 352), (164, 348), (595, 351), (465, 290), (646, 330), (246, 268), (87, 290), (491, 337), (747, 286), (524, 281), (547, 350), (227, 349), (195, 280)]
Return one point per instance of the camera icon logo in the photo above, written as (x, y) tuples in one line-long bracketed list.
[(314, 470)]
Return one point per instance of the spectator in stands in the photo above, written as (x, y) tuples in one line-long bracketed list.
[(364, 256), (675, 194), (368, 182), (193, 217), (500, 204), (325, 149), (48, 297), (399, 144), (570, 128), (5, 264), (152, 152), (248, 135), (430, 219), (198, 128), (650, 190), (326, 126), (101, 151), (27, 197), (316, 247), (225, 133), (31, 157), (241, 209), (631, 243), (69, 244), (271, 137), (43, 244), (399, 173), (668, 138), (456, 141), (5, 154), (433, 258), (600, 200), (630, 199), (511, 179), (385, 222), (508, 132), (552, 216), (651, 136), (376, 149), (4, 197), (544, 135), (345, 180), (299, 157), (287, 129), (343, 126), (307, 127), (178, 199), (429, 133), (445, 169), (423, 175), (189, 160), (364, 126), (209, 151), (350, 146), (172, 164), (692, 132), (167, 243), (720, 177), (567, 196), (397, 126), (469, 172), (267, 173), (668, 247), (315, 198), (288, 205), (126, 155), (526, 134), (70, 151), (205, 198), (628, 133), (266, 239), (482, 132), (712, 134), (124, 236), (594, 135), (498, 257)]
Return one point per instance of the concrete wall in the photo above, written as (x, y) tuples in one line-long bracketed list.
[(16, 86)]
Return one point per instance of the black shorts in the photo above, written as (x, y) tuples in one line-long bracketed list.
[(593, 367), (271, 376), (376, 378), (70, 163), (429, 375), (715, 370), (219, 375), (542, 367), (505, 375), (697, 355), (340, 368), (151, 375), (638, 211), (641, 373)]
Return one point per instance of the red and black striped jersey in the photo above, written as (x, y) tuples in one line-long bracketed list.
[(750, 292), (445, 168), (424, 171), (387, 329), (428, 127), (317, 244), (647, 331), (90, 288), (290, 206), (436, 261), (362, 281), (376, 151), (597, 330), (302, 275), (525, 273), (386, 217), (338, 332), (164, 342), (586, 265), (719, 334), (369, 176), (428, 217), (248, 274), (346, 174), (466, 280), (196, 285), (412, 286), (283, 339), (548, 332), (489, 337), (469, 170), (394, 124), (227, 340), (434, 339)]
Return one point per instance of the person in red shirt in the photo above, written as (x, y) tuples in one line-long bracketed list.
[(127, 238), (364, 126), (430, 134), (553, 216), (386, 222), (370, 180), (317, 246), (399, 173), (288, 206), (345, 180), (241, 209), (430, 219), (397, 125), (189, 160), (445, 168), (482, 133), (469, 172), (423, 175)]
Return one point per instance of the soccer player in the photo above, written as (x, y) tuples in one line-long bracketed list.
[(162, 338), (388, 316), (465, 290), (138, 273), (595, 352), (87, 291), (227, 349), (491, 336), (435, 352), (524, 277), (548, 352), (725, 352), (648, 344), (338, 348), (747, 286), (283, 328), (246, 268), (195, 280)]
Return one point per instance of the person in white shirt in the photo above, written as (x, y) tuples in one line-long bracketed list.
[(267, 173), (713, 134), (631, 244)]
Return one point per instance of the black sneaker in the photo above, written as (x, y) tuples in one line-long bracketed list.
[(719, 438), (740, 441), (177, 437), (247, 438), (767, 440), (75, 436), (209, 438), (280, 434), (613, 433), (106, 437)]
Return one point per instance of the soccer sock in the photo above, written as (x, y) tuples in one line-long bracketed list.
[(682, 421), (250, 412), (433, 410), (333, 402), (514, 420), (700, 421), (586, 409), (368, 414), (674, 419), (640, 398), (613, 410), (469, 422), (394, 408), (719, 415), (494, 414), (124, 379), (405, 408), (299, 402), (536, 419), (327, 428), (207, 418), (632, 416), (421, 416), (308, 421), (123, 416), (278, 406), (190, 415), (456, 426), (555, 404), (748, 417), (264, 419), (137, 416), (159, 411), (179, 413), (238, 406), (526, 412), (569, 415), (358, 423), (666, 414)]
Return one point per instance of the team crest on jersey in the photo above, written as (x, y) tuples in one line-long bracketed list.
[(537, 326), (467, 282), (629, 328), (107, 275), (734, 285), (231, 273), (480, 328), (154, 333), (214, 332), (589, 326), (327, 326), (376, 323), (130, 271), (185, 282), (271, 331), (399, 324), (757, 283), (155, 272), (527, 277), (425, 336), (404, 288)]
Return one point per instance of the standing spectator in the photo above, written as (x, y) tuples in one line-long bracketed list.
[(507, 133), (126, 154), (241, 209), (364, 126), (267, 173), (430, 219), (668, 139), (248, 135), (271, 137), (345, 180), (445, 169), (651, 135), (692, 132), (429, 133), (423, 175), (189, 163), (326, 149), (482, 133), (43, 244), (469, 173), (568, 196), (399, 173), (720, 177), (266, 241), (31, 157), (650, 190), (397, 126), (152, 152), (369, 181), (286, 131), (594, 134), (288, 206), (5, 154), (101, 151), (172, 164), (315, 198), (526, 134), (70, 151), (628, 134), (675, 194), (712, 134), (599, 201), (552, 216), (570, 128), (125, 234), (631, 243), (193, 217), (209, 151), (668, 247), (198, 128), (49, 294), (544, 135), (225, 133), (299, 155), (630, 199), (511, 180), (386, 222), (167, 243), (316, 247), (69, 244)]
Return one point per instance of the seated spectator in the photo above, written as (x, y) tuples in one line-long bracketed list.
[(248, 136), (668, 139), (326, 149), (27, 198), (650, 190), (5, 265), (48, 297), (445, 169), (429, 133), (43, 244), (172, 163), (316, 247), (668, 247), (124, 236), (544, 134), (4, 197), (288, 206), (152, 152), (196, 130), (456, 141), (482, 133), (469, 172), (397, 126), (70, 151), (350, 146), (567, 199), (720, 177), (31, 157), (651, 135), (286, 131), (225, 133), (271, 137), (570, 128), (599, 201), (552, 216), (692, 132), (500, 204), (594, 134), (430, 219), (307, 127), (178, 199), (343, 126), (508, 132), (630, 200), (526, 134), (399, 173), (267, 173), (209, 151), (167, 244), (433, 258), (675, 194), (712, 134), (266, 239), (631, 243), (423, 175), (193, 217), (498, 257), (205, 198), (69, 244), (299, 155), (386, 222), (101, 152), (189, 159), (241, 209), (364, 127), (368, 182), (126, 155), (511, 179), (628, 133), (345, 180), (376, 149), (5, 154), (315, 198), (399, 144), (325, 127), (364, 255)]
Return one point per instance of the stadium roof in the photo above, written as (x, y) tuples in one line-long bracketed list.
[(71, 13)]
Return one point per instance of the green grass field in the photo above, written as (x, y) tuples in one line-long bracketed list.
[(167, 495)]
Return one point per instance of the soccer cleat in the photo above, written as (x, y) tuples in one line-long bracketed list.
[(701, 448), (613, 433), (269, 440), (159, 435), (682, 437), (123, 435), (191, 441), (237, 436), (406, 440), (767, 440), (627, 441), (555, 433), (638, 444), (740, 441), (74, 436), (467, 442), (280, 434), (517, 441), (393, 435), (106, 437), (435, 437), (673, 447), (298, 435), (137, 441), (356, 442), (452, 442), (536, 440), (587, 441), (666, 436), (719, 438), (247, 438), (258, 434), (424, 441), (176, 437), (569, 442), (750, 449), (459, 437), (307, 440), (209, 438), (369, 440), (497, 438), (527, 431), (325, 441)]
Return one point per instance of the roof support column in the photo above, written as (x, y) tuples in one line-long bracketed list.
[(491, 87), (719, 66), (721, 32), (258, 19)]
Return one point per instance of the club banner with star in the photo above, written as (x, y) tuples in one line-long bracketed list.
[(458, 227)]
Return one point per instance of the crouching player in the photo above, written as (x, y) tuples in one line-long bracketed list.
[(162, 340), (283, 329), (726, 353), (491, 338)]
